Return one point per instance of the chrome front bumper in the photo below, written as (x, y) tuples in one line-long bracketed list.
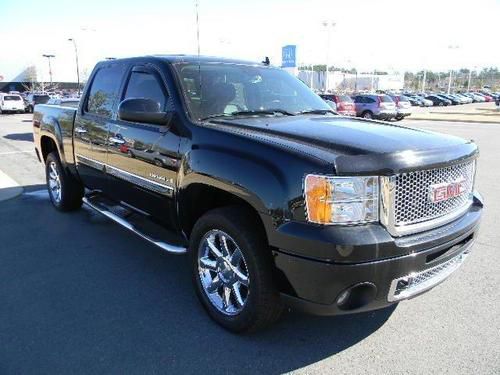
[(408, 286)]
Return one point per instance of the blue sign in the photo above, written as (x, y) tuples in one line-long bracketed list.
[(288, 56)]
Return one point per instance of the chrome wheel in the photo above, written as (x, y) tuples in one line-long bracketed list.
[(223, 272), (55, 188)]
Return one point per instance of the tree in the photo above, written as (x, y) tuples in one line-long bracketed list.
[(31, 84)]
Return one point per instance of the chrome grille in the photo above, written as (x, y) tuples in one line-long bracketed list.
[(412, 204)]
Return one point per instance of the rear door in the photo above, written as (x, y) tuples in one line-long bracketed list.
[(91, 131), (143, 159)]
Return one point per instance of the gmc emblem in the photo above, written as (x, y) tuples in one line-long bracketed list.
[(447, 190)]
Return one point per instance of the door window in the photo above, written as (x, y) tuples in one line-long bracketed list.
[(104, 90), (145, 85)]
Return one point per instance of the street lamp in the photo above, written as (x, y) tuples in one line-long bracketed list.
[(77, 67), (451, 47), (328, 25), (50, 66)]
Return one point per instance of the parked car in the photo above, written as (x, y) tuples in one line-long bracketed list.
[(426, 102), (487, 98), (11, 103), (34, 99), (376, 106), (276, 201), (331, 103), (465, 99), (344, 104), (438, 100), (403, 106), (453, 100), (475, 98), (65, 102), (414, 101)]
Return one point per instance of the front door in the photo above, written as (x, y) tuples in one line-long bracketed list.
[(91, 132), (143, 159)]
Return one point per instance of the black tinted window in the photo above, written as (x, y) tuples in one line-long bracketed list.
[(11, 97), (144, 85), (41, 99), (104, 90), (369, 100)]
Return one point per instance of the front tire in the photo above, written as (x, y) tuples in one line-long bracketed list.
[(231, 268), (65, 192)]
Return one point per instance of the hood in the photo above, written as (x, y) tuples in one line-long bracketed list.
[(356, 145)]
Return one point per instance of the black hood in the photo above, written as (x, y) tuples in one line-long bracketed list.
[(356, 145)]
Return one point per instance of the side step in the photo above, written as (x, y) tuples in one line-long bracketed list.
[(131, 220)]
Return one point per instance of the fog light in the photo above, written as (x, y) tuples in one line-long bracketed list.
[(357, 296)]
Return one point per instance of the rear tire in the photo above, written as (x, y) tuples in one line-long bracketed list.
[(256, 302), (65, 191), (367, 114)]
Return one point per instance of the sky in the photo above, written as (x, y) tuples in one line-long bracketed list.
[(388, 35)]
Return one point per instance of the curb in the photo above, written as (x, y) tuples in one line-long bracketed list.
[(454, 120), (8, 187)]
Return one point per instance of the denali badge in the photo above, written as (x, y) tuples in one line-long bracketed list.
[(446, 190)]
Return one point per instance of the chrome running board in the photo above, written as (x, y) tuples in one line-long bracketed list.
[(173, 249)]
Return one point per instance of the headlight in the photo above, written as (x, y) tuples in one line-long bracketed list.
[(341, 200)]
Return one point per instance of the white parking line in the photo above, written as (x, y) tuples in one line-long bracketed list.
[(6, 181), (8, 187), (15, 152)]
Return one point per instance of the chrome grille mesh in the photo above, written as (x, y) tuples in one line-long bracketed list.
[(418, 282), (412, 203)]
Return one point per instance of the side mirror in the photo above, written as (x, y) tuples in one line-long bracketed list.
[(142, 110)]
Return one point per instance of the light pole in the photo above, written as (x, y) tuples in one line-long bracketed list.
[(329, 25), (77, 67), (423, 80), (50, 66), (451, 47), (470, 78)]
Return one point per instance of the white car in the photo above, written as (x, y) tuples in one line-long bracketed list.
[(11, 103)]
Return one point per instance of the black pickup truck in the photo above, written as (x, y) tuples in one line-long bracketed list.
[(277, 200)]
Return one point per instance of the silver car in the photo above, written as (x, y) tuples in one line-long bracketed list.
[(377, 106)]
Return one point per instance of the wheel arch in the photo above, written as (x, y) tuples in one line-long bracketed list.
[(198, 198)]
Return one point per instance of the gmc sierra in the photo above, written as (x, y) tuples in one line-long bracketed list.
[(277, 200)]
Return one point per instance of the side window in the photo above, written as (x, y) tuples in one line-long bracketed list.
[(105, 90), (145, 85), (369, 100), (359, 99)]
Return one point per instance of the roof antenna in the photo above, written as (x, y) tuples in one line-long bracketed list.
[(266, 61)]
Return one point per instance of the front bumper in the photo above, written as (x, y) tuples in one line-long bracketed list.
[(334, 287)]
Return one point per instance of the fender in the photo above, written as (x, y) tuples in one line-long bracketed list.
[(50, 128), (254, 179)]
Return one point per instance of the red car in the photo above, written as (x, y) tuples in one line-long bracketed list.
[(485, 96), (345, 105)]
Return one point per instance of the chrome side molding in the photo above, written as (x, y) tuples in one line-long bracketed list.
[(173, 249)]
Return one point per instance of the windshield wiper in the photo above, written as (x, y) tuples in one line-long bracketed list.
[(263, 112), (215, 116), (316, 112), (250, 113)]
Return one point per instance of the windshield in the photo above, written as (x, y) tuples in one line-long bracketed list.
[(345, 99), (213, 89), (385, 99), (11, 97)]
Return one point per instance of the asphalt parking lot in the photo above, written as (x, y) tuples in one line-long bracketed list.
[(78, 294)]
